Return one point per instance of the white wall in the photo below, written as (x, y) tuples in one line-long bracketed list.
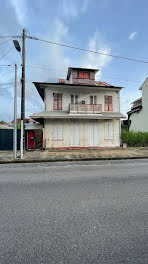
[(83, 134), (139, 121), (82, 95)]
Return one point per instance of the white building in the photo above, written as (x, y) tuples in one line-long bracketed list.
[(79, 112), (138, 115)]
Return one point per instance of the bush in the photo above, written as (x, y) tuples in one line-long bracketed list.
[(135, 139)]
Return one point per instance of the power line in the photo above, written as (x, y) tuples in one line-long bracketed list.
[(6, 53), (10, 36), (86, 50), (9, 65), (60, 70), (5, 41)]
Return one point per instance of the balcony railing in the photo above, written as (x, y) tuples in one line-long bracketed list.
[(85, 108)]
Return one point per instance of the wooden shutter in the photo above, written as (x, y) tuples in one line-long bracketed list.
[(110, 105), (106, 130), (55, 131), (86, 75), (106, 103), (59, 102), (60, 131), (95, 99), (72, 99), (80, 75), (76, 99), (55, 101), (110, 126), (91, 99)]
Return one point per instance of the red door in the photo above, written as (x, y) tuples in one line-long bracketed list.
[(31, 139)]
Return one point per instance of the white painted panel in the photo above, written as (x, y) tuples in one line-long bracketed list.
[(90, 134), (93, 135), (55, 131), (106, 130), (111, 130), (96, 134), (74, 134)]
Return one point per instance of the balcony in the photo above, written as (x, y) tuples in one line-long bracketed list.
[(85, 108)]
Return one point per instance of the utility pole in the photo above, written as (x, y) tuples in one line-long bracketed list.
[(15, 117), (23, 93)]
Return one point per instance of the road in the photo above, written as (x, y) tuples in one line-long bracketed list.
[(77, 212)]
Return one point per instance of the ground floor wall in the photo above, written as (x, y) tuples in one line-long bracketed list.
[(81, 133)]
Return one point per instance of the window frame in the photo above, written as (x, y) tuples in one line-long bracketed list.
[(108, 107), (57, 102), (94, 99), (74, 98), (83, 75)]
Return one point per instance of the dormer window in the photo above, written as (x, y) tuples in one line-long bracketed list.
[(83, 75)]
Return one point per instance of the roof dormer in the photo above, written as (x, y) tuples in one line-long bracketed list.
[(81, 75)]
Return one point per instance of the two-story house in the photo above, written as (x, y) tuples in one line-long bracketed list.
[(137, 116), (79, 111)]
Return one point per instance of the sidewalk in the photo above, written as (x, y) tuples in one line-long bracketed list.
[(72, 155)]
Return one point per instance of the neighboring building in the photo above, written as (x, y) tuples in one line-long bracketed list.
[(138, 115), (79, 111), (5, 125)]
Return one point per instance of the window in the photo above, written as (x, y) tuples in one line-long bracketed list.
[(109, 130), (74, 99), (57, 131), (57, 101), (83, 75), (108, 103), (93, 99)]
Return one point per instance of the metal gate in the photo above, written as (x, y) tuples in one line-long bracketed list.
[(6, 139)]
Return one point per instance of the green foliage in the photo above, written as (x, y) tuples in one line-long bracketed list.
[(135, 139), (18, 125), (2, 122)]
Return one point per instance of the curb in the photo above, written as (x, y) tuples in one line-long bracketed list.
[(71, 159)]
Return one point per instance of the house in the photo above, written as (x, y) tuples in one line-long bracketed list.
[(137, 116), (79, 111)]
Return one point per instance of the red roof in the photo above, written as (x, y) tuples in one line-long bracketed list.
[(102, 83)]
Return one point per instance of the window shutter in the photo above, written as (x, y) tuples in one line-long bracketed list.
[(110, 103), (111, 130), (60, 131), (91, 99), (72, 99), (86, 75), (76, 99), (80, 75), (55, 130), (106, 103), (106, 130), (95, 99)]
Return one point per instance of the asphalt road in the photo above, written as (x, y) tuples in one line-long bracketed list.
[(78, 212)]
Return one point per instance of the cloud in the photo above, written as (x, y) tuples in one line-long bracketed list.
[(96, 61), (72, 8), (20, 8), (133, 35)]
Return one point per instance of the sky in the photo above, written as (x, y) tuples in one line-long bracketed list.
[(108, 26)]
